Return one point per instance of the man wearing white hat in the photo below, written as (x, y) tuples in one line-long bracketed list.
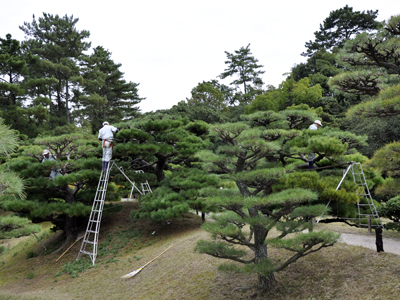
[(54, 171), (311, 156), (106, 135)]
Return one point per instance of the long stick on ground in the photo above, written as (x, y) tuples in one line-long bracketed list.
[(131, 274), (77, 239)]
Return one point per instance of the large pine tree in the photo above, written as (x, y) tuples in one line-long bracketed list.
[(60, 45), (263, 156)]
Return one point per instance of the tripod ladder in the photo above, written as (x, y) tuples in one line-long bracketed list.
[(91, 236), (145, 185), (359, 179)]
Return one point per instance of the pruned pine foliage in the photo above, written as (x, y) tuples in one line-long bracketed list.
[(273, 200), (12, 189)]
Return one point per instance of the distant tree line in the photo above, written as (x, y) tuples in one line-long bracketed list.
[(53, 78)]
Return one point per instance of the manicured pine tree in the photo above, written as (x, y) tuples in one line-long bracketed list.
[(157, 142), (12, 188), (372, 72), (66, 198), (371, 60), (386, 161), (264, 155)]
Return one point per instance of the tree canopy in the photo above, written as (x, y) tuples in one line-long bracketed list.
[(339, 26)]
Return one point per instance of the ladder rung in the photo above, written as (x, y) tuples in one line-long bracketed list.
[(92, 231), (89, 242), (94, 221), (85, 252)]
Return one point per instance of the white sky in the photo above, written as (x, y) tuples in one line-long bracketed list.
[(169, 46)]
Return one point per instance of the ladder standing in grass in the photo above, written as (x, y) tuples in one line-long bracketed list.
[(106, 135), (90, 240)]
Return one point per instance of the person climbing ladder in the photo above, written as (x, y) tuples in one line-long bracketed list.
[(106, 135)]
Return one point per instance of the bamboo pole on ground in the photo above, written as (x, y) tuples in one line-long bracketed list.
[(129, 275), (77, 239)]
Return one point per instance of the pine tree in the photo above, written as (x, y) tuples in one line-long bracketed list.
[(372, 61), (243, 65), (106, 95), (19, 105), (68, 197), (339, 26), (12, 188), (155, 143), (386, 161), (60, 46), (263, 155)]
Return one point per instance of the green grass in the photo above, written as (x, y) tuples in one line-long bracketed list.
[(338, 272)]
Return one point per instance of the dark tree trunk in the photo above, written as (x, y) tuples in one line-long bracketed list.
[(70, 228), (244, 190), (161, 162), (261, 253), (266, 282)]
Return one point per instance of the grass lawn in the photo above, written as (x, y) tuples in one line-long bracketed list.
[(338, 272)]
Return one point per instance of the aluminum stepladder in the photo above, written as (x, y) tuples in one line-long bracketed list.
[(91, 236), (359, 179), (145, 185)]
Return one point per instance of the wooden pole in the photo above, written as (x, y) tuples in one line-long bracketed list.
[(129, 275), (77, 239), (369, 224), (379, 241)]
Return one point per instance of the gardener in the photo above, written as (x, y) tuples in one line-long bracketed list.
[(311, 156), (54, 171), (106, 135)]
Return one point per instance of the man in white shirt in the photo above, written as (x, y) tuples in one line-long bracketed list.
[(106, 135), (311, 156)]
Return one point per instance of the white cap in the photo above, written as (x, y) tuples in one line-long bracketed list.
[(45, 152), (318, 122), (105, 123)]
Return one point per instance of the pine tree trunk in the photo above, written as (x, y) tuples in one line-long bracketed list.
[(70, 228), (266, 282), (261, 252), (161, 162)]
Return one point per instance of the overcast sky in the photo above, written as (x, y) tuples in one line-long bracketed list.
[(169, 46)]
